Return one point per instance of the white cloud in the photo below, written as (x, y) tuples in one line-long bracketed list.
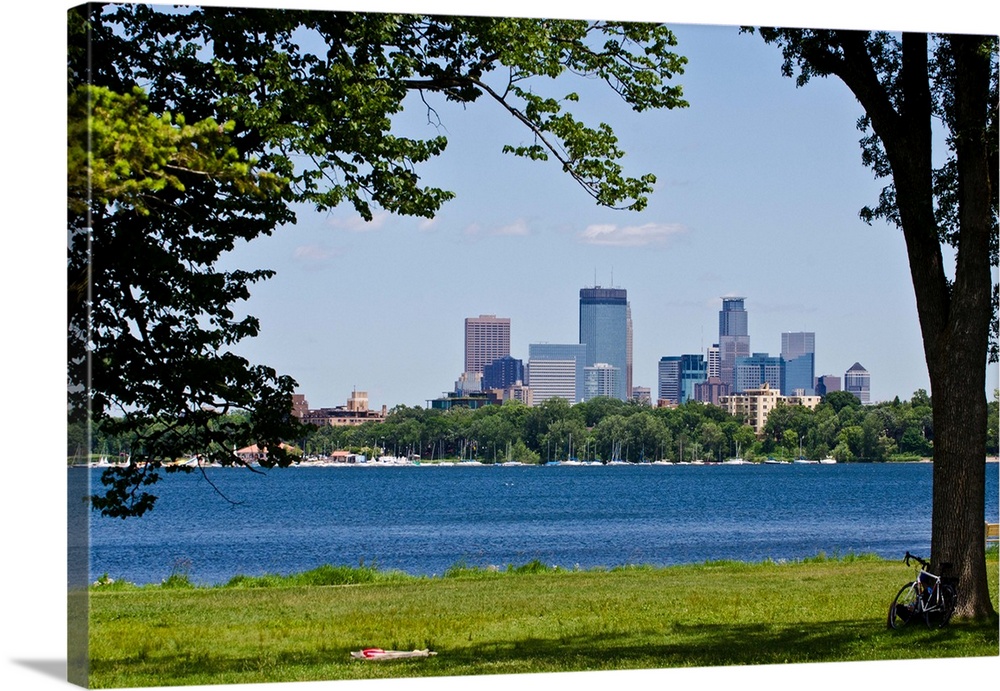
[(630, 236), (313, 255), (518, 228), (427, 224), (356, 224)]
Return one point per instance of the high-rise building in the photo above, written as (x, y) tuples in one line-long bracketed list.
[(542, 377), (694, 371), (550, 378), (712, 358), (668, 379), (503, 373), (734, 337), (628, 350), (712, 390), (600, 379), (858, 381), (798, 350), (677, 376), (755, 371), (827, 383), (604, 330), (487, 338)]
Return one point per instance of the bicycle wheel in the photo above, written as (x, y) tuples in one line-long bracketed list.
[(906, 606), (949, 598)]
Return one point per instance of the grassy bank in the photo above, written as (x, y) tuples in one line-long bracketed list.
[(530, 619)]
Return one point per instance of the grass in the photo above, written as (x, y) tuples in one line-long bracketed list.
[(523, 619)]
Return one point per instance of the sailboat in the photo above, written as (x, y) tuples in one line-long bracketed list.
[(737, 460)]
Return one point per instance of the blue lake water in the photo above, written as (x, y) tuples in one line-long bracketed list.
[(424, 519)]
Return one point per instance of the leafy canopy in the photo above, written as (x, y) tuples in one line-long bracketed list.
[(194, 129)]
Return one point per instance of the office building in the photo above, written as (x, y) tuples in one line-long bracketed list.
[(734, 337), (600, 379), (827, 383), (487, 338), (711, 390), (755, 371), (858, 382), (502, 373), (604, 330), (798, 350), (553, 379), (694, 371), (677, 376), (712, 361), (668, 380), (548, 380), (628, 350)]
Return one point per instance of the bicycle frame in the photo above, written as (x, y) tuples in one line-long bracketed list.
[(927, 597)]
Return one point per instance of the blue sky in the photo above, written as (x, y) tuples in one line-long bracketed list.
[(759, 184)]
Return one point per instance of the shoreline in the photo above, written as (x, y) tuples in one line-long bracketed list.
[(469, 464)]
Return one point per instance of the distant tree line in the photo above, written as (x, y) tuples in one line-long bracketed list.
[(605, 430)]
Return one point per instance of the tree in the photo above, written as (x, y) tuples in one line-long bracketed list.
[(908, 86), (288, 107)]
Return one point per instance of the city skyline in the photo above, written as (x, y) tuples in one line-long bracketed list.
[(749, 202)]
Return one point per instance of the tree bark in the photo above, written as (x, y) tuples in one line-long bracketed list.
[(959, 362), (954, 315)]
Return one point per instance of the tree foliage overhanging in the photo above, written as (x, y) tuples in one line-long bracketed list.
[(192, 130)]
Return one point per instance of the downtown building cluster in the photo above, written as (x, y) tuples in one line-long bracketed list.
[(600, 363)]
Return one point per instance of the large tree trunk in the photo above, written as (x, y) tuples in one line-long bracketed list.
[(955, 311), (954, 314), (956, 355), (957, 535)]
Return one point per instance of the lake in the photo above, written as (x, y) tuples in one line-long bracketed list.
[(425, 519)]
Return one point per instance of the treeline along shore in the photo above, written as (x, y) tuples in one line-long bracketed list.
[(605, 430)]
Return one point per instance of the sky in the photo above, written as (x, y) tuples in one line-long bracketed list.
[(759, 185), (752, 161)]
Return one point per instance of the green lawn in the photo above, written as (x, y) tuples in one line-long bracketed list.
[(498, 623)]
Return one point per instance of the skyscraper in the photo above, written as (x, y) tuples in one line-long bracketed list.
[(604, 328), (503, 373), (668, 380), (487, 338), (858, 381), (628, 350), (712, 358), (827, 383), (734, 338), (600, 379), (556, 369), (677, 376), (755, 371), (798, 350)]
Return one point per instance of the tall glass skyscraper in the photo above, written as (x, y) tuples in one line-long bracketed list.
[(677, 376), (604, 327), (734, 338), (798, 351)]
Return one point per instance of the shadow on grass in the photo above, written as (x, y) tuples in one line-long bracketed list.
[(678, 645)]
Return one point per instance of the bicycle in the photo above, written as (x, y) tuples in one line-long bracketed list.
[(929, 598)]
